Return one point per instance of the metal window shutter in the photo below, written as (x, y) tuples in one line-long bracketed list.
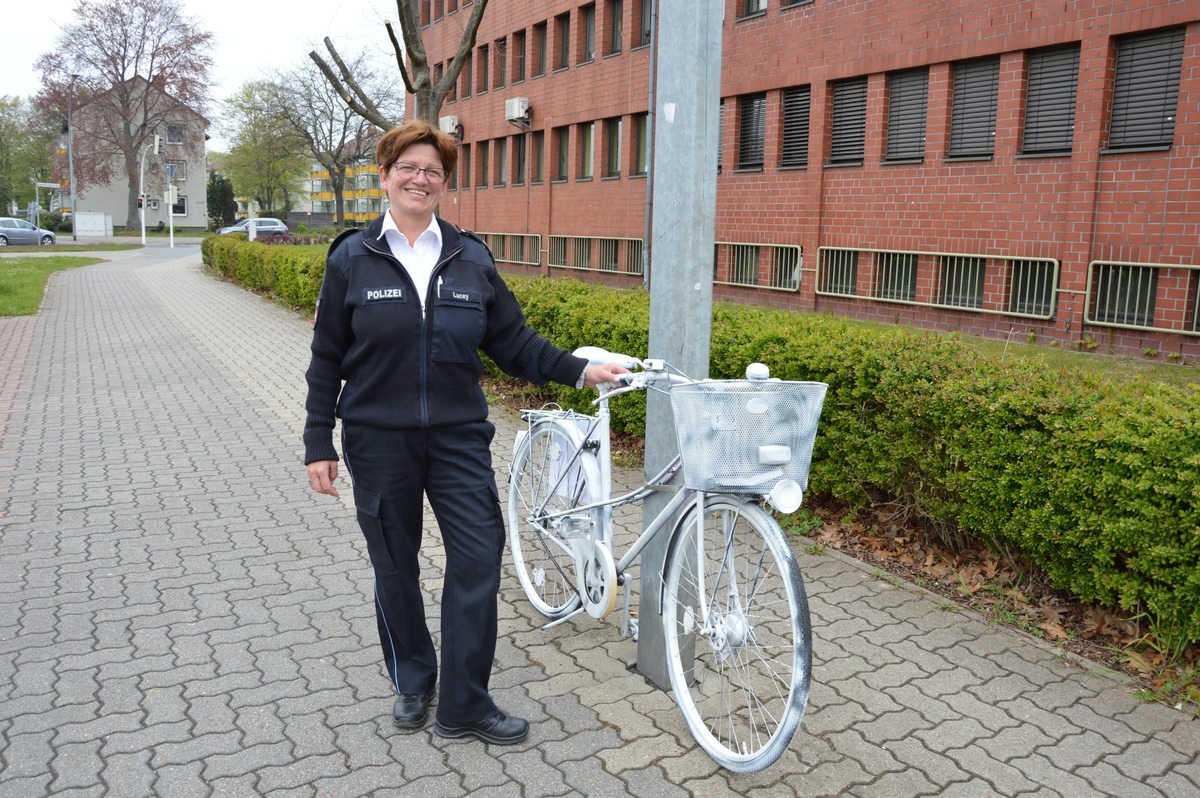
[(907, 99), (720, 133), (796, 107), (1050, 100), (752, 130), (1146, 89), (849, 121), (973, 116)]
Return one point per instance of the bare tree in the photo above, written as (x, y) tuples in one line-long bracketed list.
[(337, 137), (136, 62), (416, 74), (266, 161)]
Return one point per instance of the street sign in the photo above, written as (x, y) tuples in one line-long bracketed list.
[(170, 167)]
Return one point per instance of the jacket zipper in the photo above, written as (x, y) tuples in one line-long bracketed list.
[(432, 291)]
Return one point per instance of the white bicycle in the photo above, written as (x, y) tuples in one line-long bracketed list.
[(734, 610)]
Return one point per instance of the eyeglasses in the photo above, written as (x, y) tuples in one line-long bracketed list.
[(409, 170)]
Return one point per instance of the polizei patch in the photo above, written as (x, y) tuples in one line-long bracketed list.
[(383, 295)]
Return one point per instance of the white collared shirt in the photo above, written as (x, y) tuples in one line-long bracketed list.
[(420, 260)]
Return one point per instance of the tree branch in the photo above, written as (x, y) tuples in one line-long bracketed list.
[(348, 89)]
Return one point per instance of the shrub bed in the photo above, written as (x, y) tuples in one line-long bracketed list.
[(1094, 484)]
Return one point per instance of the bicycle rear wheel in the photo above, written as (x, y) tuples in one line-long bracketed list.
[(547, 478), (738, 637)]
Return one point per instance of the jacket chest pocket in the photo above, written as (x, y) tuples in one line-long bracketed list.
[(458, 325)]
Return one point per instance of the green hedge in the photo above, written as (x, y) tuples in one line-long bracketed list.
[(290, 274), (1095, 484)]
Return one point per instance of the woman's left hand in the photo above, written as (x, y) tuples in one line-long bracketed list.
[(607, 372)]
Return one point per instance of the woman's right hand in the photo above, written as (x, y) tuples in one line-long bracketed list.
[(321, 474)]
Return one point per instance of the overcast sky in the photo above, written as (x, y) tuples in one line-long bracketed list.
[(249, 40)]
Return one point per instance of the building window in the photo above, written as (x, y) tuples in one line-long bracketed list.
[(612, 147), (179, 208), (539, 157), (518, 174), (451, 6), (482, 159), (174, 134), (751, 7), (1050, 100), (439, 9), (466, 76), (424, 12), (908, 94), (839, 271), (518, 68), (482, 86), (752, 121), (793, 150), (464, 164), (501, 55), (973, 111), (849, 129), (539, 49), (641, 146), (720, 135), (501, 162), (1032, 289), (562, 27), (587, 41), (562, 152), (644, 21), (962, 281), (897, 276), (1124, 294), (1146, 89), (587, 133), (615, 12)]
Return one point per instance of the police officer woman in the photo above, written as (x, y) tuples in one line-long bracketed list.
[(405, 307)]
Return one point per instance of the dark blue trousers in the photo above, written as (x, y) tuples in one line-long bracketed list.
[(391, 471)]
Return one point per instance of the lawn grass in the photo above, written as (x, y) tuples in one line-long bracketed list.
[(57, 248), (23, 281), (1149, 368)]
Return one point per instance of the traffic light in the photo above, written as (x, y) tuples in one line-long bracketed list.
[(139, 202), (157, 144)]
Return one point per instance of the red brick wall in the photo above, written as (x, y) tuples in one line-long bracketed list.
[(1090, 205)]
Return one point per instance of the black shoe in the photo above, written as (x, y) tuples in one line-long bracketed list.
[(411, 711), (499, 729)]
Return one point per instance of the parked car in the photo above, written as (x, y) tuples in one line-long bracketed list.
[(264, 226), (18, 231)]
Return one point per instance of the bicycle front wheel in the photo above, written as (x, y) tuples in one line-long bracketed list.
[(738, 638), (550, 477)]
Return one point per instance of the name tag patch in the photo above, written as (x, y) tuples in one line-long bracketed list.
[(467, 295), (383, 295)]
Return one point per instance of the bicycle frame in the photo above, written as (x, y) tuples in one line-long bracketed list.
[(599, 433)]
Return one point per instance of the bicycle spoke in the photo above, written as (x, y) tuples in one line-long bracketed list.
[(747, 669)]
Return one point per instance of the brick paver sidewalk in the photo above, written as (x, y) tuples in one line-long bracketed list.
[(180, 616)]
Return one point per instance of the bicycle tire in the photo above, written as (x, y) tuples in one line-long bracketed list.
[(543, 561), (741, 682)]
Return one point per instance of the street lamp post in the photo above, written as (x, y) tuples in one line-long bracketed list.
[(71, 152), (142, 184)]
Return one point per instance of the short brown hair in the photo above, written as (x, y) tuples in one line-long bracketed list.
[(393, 144)]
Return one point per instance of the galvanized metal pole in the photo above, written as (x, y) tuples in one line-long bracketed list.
[(686, 131)]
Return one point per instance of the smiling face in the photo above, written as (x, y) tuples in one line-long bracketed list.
[(413, 198)]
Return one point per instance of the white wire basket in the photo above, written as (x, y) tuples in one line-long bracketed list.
[(745, 436)]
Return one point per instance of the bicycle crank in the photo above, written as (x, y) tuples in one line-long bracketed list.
[(596, 577)]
